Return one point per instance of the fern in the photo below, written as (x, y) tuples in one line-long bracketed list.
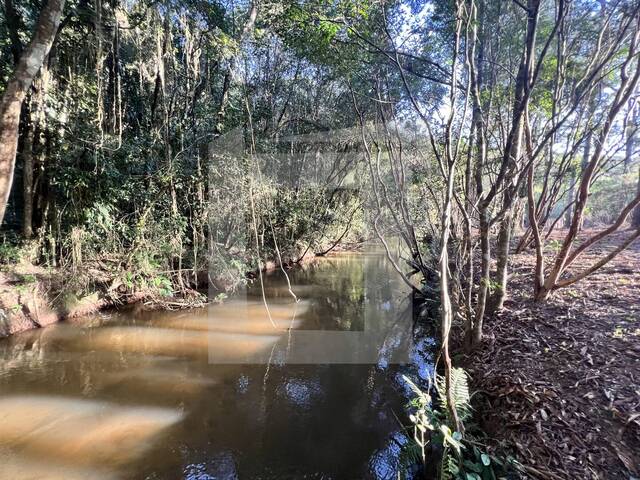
[(459, 392), (460, 460), (410, 455), (426, 420), (449, 469)]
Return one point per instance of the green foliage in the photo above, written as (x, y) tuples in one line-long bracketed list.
[(430, 424), (460, 458), (9, 253), (319, 30), (459, 392)]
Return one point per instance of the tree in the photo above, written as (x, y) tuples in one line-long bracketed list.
[(629, 74), (31, 59), (636, 212)]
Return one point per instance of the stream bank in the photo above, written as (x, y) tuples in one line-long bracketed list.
[(33, 297)]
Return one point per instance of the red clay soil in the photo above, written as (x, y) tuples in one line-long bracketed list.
[(558, 384)]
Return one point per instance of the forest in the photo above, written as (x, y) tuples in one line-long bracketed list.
[(171, 156)]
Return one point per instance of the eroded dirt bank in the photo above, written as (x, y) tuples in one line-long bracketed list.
[(558, 384), (32, 297)]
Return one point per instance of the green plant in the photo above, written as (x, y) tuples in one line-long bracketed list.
[(460, 458), (220, 297), (479, 465), (423, 418), (430, 425), (28, 278), (460, 393), (555, 245), (9, 253), (492, 285), (163, 285)]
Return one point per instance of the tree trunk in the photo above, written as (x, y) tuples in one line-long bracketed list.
[(635, 221), (29, 148), (571, 195), (502, 257), (485, 279), (27, 179), (30, 62), (473, 325), (468, 247), (632, 124), (508, 172), (583, 166)]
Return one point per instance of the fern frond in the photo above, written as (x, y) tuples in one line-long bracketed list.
[(449, 469), (459, 392), (410, 455)]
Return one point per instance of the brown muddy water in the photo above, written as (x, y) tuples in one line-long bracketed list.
[(314, 392)]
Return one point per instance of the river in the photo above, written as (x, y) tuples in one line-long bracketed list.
[(312, 389)]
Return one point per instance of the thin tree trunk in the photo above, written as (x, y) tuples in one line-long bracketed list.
[(476, 71), (27, 179), (502, 257), (572, 188), (632, 125), (636, 213), (230, 73), (443, 265), (485, 279), (468, 246), (29, 148), (533, 215), (510, 162), (512, 154), (30, 62)]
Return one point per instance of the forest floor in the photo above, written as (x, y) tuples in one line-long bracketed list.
[(558, 384)]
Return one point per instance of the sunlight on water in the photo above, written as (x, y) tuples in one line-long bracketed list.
[(135, 394), (80, 431), (160, 381), (14, 467), (240, 317), (167, 341)]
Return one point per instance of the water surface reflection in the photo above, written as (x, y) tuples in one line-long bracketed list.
[(134, 395)]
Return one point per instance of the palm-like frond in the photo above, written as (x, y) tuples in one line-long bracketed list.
[(449, 469), (459, 392)]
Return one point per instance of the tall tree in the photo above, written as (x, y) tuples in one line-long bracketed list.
[(30, 62), (629, 79)]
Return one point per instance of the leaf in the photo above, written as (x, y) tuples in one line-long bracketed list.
[(486, 461), (448, 438), (626, 457), (459, 392), (474, 467)]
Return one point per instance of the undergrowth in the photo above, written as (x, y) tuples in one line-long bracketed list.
[(441, 451)]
